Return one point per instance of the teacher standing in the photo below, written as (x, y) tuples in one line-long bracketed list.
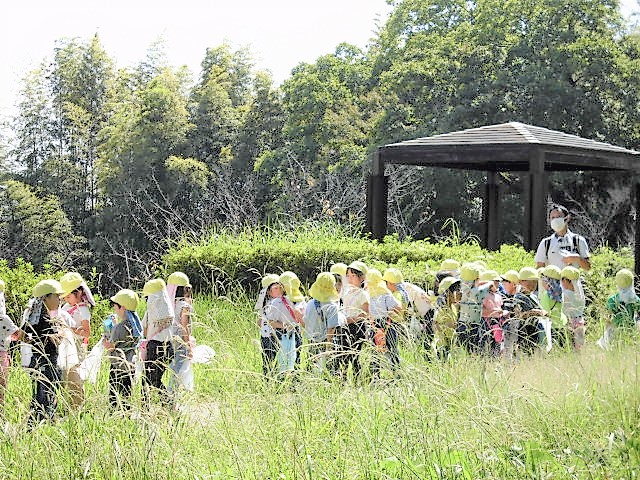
[(563, 247)]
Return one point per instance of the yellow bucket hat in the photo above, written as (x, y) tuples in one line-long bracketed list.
[(269, 279), (70, 281), (324, 288), (339, 269), (570, 273), (469, 272), (551, 271), (447, 283), (375, 284), (529, 273), (291, 284), (153, 286), (45, 287), (624, 278), (393, 275), (179, 279), (359, 266), (511, 276), (449, 265), (490, 276), (127, 298)]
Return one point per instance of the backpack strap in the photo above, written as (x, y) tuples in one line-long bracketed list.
[(319, 311), (547, 244)]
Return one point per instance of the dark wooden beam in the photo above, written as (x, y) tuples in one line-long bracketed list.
[(491, 212), (536, 202), (377, 188)]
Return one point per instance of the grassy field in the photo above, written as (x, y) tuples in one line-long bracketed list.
[(561, 416)]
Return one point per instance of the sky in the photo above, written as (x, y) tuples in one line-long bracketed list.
[(279, 33)]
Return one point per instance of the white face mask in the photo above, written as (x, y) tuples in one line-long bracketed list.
[(557, 224)]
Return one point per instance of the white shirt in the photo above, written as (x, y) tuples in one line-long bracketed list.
[(276, 311), (353, 300), (560, 247), (78, 313), (67, 349), (418, 297), (181, 305)]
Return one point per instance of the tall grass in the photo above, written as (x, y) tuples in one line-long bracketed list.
[(558, 416)]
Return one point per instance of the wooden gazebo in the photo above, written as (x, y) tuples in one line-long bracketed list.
[(508, 147)]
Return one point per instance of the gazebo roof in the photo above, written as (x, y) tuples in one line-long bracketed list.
[(509, 147)]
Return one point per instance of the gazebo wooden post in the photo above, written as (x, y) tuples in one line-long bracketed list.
[(377, 189), (536, 206), (492, 212), (636, 249)]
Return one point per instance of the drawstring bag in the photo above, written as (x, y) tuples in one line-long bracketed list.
[(90, 366), (286, 356)]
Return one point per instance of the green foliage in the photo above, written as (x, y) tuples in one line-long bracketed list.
[(36, 228), (190, 172)]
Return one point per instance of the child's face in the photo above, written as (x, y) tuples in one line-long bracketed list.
[(276, 290), (509, 287), (528, 286), (353, 279), (567, 284)]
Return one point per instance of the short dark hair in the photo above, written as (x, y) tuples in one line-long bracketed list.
[(564, 210)]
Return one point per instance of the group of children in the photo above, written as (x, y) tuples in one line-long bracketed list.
[(501, 315), (54, 335)]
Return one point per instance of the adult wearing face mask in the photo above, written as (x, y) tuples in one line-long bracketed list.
[(564, 247)]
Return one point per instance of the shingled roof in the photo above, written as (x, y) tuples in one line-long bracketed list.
[(508, 147)]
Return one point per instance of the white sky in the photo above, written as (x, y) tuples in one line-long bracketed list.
[(280, 33)]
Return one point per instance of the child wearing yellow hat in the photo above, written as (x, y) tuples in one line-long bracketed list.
[(78, 301), (321, 317), (355, 301), (510, 285), (121, 344), (528, 312), (158, 348), (417, 305), (268, 340), (573, 305), (446, 316), (493, 315), (45, 331), (291, 284), (624, 307), (384, 310), (179, 290), (551, 302), (473, 291)]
